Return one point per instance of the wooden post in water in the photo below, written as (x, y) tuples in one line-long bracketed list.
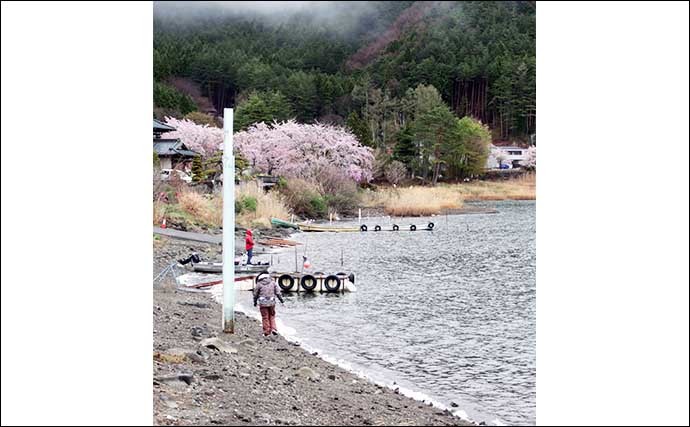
[(296, 259), (228, 225), (360, 215)]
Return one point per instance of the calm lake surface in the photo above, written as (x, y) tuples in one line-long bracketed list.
[(448, 313)]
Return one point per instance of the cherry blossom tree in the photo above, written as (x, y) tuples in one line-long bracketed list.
[(497, 155), (295, 150), (205, 140), (530, 157)]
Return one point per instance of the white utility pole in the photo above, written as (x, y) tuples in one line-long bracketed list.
[(228, 225)]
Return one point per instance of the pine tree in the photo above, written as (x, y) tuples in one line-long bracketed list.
[(197, 170)]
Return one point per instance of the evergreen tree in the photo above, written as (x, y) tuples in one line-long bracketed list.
[(436, 131), (262, 107), (359, 128), (166, 96), (197, 169), (301, 92), (405, 150)]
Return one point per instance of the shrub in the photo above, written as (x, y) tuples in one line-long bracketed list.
[(395, 172), (298, 195), (340, 193), (344, 203), (318, 206), (248, 203)]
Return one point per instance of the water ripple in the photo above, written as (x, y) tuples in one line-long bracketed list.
[(450, 313)]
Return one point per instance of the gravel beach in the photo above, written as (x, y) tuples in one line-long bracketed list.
[(202, 376)]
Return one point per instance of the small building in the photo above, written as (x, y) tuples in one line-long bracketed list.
[(173, 154), (511, 156)]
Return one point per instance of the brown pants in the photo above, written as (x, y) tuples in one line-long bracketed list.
[(268, 319)]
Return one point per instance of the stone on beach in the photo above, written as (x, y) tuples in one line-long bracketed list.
[(183, 377), (307, 373), (188, 354), (218, 344), (248, 342)]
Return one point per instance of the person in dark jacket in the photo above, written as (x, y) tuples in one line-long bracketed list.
[(265, 293), (249, 245)]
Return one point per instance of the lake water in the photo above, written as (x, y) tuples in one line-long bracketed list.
[(447, 314)]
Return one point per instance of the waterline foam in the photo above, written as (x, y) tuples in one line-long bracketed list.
[(290, 335)]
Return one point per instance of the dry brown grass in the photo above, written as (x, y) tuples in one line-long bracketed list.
[(159, 209), (414, 201), (523, 188), (424, 201), (204, 208), (269, 205)]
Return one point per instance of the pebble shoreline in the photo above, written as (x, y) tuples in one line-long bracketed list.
[(202, 376)]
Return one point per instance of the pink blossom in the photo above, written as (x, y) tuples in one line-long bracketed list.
[(297, 150), (205, 140), (530, 157)]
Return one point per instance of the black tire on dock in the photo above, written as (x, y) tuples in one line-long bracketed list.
[(363, 227), (395, 227), (308, 282), (377, 228), (286, 282), (431, 226), (332, 283), (413, 227)]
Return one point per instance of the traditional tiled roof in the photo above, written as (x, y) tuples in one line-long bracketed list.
[(160, 127), (172, 147)]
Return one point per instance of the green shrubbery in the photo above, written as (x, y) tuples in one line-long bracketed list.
[(318, 206), (310, 200), (245, 204), (249, 203)]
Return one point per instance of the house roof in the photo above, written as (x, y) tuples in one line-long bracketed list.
[(161, 127), (187, 153), (510, 144), (172, 147)]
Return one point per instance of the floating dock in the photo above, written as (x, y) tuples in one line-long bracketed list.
[(288, 282), (315, 228), (315, 282)]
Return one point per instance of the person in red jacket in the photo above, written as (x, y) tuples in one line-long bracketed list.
[(249, 245)]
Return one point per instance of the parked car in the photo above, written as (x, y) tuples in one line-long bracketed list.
[(167, 173)]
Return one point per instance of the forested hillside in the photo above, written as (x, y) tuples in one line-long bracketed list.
[(383, 69)]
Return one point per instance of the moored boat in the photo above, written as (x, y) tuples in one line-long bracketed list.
[(217, 267), (321, 228), (285, 224)]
